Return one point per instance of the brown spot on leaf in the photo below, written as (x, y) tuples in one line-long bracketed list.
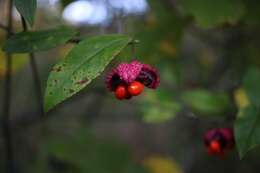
[(56, 69), (81, 82)]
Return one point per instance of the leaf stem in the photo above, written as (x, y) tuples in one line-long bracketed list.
[(35, 74), (133, 48), (6, 122)]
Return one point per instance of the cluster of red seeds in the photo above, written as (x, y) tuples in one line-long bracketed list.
[(126, 92), (129, 79)]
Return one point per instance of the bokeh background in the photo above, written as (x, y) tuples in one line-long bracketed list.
[(201, 48)]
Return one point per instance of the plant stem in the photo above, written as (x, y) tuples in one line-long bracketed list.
[(35, 74), (37, 83), (6, 122)]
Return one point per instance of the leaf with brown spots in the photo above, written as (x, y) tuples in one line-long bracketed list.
[(84, 63)]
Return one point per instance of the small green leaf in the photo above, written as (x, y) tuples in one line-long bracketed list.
[(158, 107), (247, 129), (25, 42), (27, 9), (206, 102), (210, 14), (251, 85), (83, 64)]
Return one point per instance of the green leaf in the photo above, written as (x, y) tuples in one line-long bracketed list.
[(247, 129), (158, 107), (25, 42), (83, 64), (210, 14), (27, 9), (89, 154), (206, 102), (251, 84)]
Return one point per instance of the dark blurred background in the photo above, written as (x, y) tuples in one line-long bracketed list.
[(201, 49)]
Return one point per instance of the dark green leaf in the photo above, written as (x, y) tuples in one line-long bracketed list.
[(252, 12), (210, 14), (206, 102), (25, 42), (83, 64), (247, 129), (251, 85), (27, 9)]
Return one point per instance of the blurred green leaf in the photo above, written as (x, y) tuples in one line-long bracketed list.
[(251, 84), (83, 64), (210, 14), (206, 102), (27, 9), (25, 42), (88, 154), (158, 106), (247, 129)]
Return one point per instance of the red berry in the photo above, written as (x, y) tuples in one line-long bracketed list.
[(135, 88), (121, 92), (215, 146)]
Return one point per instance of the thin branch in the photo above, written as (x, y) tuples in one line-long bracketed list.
[(6, 122), (35, 74), (37, 83)]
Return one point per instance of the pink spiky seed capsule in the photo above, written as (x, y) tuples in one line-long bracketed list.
[(219, 141), (134, 76)]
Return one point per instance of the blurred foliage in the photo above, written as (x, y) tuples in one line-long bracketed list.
[(162, 164), (208, 57), (206, 102), (19, 61), (84, 153), (208, 14), (247, 129), (252, 84), (241, 98), (158, 107), (161, 33)]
